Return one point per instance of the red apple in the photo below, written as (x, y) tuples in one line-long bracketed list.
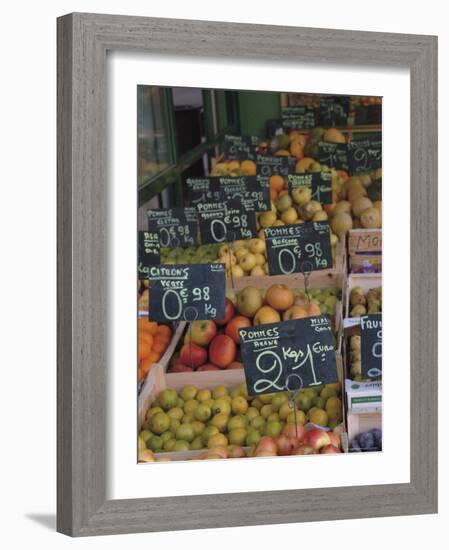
[(304, 450), (335, 439), (229, 313), (179, 367), (329, 449), (222, 351), (317, 438), (201, 332), (294, 431), (286, 445), (193, 355), (266, 447), (207, 366), (232, 328), (235, 365)]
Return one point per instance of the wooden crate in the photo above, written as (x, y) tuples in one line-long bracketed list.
[(365, 250), (362, 422), (363, 280), (165, 359)]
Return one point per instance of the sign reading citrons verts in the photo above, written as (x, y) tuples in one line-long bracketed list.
[(187, 292), (288, 356), (298, 248)]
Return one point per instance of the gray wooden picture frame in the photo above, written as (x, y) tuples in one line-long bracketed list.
[(83, 41)]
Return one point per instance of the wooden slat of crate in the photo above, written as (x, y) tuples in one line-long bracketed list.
[(364, 240)]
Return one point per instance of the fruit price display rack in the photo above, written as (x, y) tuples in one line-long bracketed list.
[(193, 401)]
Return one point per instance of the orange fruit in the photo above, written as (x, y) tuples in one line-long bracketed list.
[(145, 325), (146, 364), (160, 345), (248, 168), (146, 337), (164, 330), (140, 375), (153, 357), (144, 349), (276, 183), (280, 297)]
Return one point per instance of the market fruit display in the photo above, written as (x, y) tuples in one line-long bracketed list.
[(207, 418), (355, 357), (365, 302), (153, 340), (367, 441), (215, 345)]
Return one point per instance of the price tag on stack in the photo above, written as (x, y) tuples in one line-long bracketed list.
[(298, 118), (240, 147), (275, 353), (149, 252), (174, 225), (175, 289), (371, 337), (334, 155), (298, 248), (365, 156)]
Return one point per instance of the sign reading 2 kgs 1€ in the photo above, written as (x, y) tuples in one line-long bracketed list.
[(225, 221), (289, 355), (187, 292), (298, 248), (175, 226), (149, 252), (371, 336)]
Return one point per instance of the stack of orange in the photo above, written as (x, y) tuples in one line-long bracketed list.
[(277, 185), (153, 341)]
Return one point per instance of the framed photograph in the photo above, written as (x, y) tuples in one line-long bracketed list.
[(271, 193)]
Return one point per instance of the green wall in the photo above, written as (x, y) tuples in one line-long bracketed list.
[(255, 109)]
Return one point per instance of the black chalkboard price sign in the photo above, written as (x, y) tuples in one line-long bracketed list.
[(298, 118), (371, 336), (240, 147), (149, 252), (175, 226), (269, 166), (319, 183), (365, 155), (253, 195), (187, 292), (298, 248), (334, 111), (225, 221), (334, 155), (289, 355)]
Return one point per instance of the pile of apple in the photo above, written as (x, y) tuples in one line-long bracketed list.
[(229, 419), (213, 345)]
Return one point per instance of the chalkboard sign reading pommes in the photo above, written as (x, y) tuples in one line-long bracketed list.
[(240, 147), (316, 186), (371, 336), (298, 248), (298, 117), (254, 197), (175, 226), (274, 354), (225, 221), (334, 111), (334, 155), (149, 252), (187, 292), (274, 166), (365, 155)]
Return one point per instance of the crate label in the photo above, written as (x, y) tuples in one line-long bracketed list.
[(288, 356), (320, 184), (371, 338), (149, 252), (334, 155), (240, 147), (364, 240), (298, 248), (175, 226), (187, 292), (225, 221)]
